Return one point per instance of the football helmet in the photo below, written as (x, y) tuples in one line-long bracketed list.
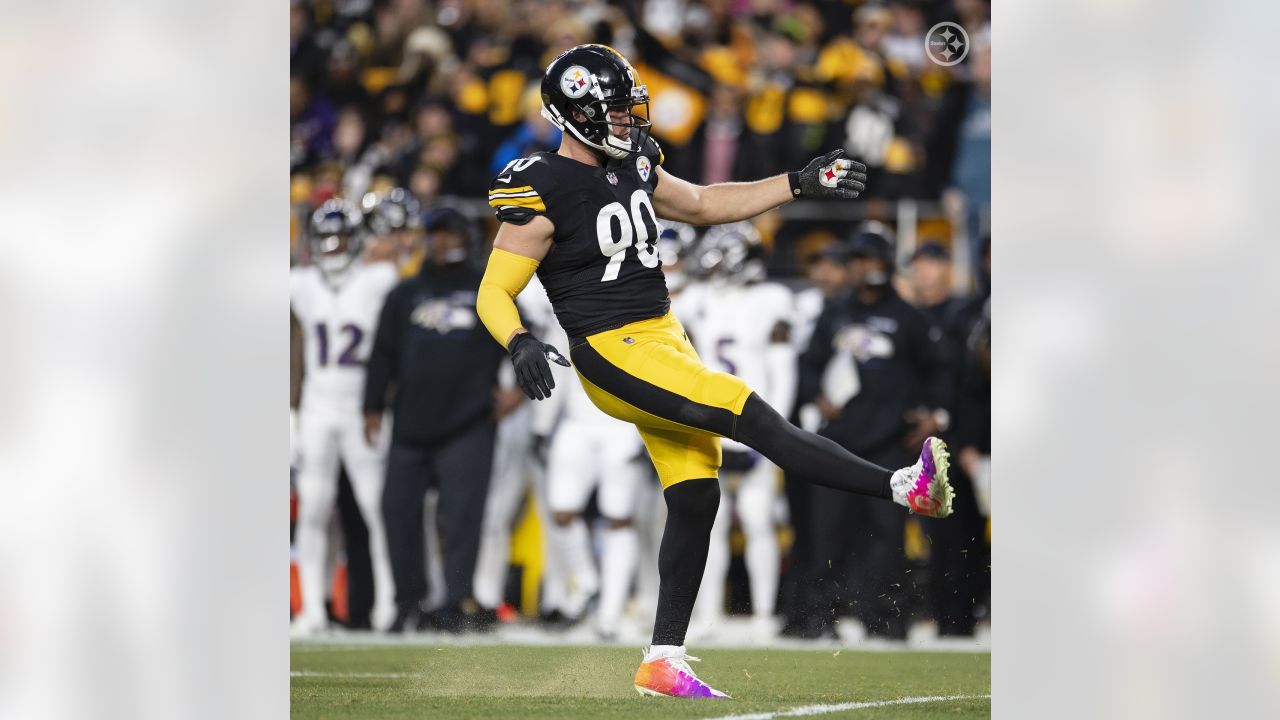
[(336, 240), (675, 243), (396, 209), (733, 252), (591, 80)]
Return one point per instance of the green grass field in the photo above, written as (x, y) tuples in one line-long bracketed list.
[(375, 682)]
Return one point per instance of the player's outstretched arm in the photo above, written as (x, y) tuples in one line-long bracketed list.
[(517, 251), (833, 175)]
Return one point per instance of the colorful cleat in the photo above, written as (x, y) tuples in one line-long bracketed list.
[(924, 487), (667, 674)]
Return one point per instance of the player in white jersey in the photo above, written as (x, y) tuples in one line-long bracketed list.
[(590, 451), (335, 304), (515, 470), (741, 325)]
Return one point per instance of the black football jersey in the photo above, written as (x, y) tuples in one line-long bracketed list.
[(602, 271)]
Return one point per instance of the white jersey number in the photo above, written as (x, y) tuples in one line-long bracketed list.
[(634, 225)]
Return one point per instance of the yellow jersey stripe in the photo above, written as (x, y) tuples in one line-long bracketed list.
[(533, 203), (503, 191)]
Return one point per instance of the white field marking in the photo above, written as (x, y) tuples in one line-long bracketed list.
[(807, 710), (315, 674)]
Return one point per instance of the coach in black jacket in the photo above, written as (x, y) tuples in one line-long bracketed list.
[(434, 356), (902, 393)]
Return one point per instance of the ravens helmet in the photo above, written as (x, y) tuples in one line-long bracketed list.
[(336, 240), (733, 252), (396, 209), (596, 82), (675, 243)]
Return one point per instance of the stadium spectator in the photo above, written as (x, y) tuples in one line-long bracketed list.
[(898, 366), (961, 549), (444, 367), (533, 135)]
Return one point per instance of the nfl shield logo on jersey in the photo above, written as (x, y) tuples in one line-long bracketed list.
[(643, 167), (613, 179)]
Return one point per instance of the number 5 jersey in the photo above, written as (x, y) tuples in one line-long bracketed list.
[(603, 269)]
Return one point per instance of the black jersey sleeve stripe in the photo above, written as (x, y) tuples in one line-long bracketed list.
[(649, 397)]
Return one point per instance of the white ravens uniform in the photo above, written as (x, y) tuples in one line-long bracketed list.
[(338, 324), (515, 470), (742, 329), (590, 451)]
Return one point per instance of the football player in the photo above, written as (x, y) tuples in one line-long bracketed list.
[(515, 470), (590, 451), (335, 304), (743, 328), (394, 219), (585, 220)]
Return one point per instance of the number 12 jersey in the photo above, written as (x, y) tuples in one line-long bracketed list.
[(602, 271)]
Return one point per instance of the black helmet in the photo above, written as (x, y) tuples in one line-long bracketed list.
[(335, 239), (733, 252), (591, 79), (397, 209)]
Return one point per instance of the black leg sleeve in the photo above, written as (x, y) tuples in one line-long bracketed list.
[(806, 456), (682, 558)]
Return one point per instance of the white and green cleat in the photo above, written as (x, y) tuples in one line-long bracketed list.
[(925, 487)]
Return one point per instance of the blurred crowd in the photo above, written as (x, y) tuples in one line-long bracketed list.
[(435, 97), (459, 516)]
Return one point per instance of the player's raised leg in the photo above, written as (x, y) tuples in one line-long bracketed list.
[(923, 487), (647, 372)]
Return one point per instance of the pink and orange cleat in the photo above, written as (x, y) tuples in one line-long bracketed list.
[(924, 487), (665, 672)]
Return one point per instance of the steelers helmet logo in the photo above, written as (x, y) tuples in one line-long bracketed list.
[(575, 81), (643, 167), (946, 44)]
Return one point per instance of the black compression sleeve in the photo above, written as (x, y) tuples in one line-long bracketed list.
[(682, 558), (809, 457)]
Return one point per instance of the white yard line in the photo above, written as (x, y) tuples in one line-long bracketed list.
[(807, 710), (312, 673)]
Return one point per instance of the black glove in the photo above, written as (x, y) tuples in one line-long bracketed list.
[(834, 175), (529, 355)]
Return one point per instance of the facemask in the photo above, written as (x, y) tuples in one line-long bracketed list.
[(334, 266)]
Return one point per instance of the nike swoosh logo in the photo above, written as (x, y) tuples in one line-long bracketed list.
[(506, 179)]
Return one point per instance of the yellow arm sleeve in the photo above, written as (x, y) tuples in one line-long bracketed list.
[(504, 278)]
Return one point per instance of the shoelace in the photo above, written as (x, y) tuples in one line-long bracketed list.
[(682, 663)]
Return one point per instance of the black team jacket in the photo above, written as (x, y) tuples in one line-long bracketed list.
[(433, 353), (902, 364)]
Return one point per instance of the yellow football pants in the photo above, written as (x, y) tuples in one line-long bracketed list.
[(648, 374)]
